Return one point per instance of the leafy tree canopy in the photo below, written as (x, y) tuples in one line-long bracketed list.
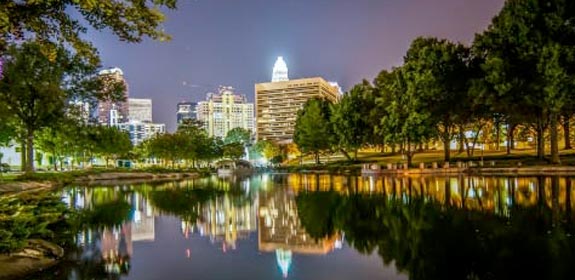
[(64, 21)]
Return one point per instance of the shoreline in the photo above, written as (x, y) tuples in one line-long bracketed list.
[(19, 187), (479, 171), (19, 264), (542, 170)]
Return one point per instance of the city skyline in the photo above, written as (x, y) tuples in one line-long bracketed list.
[(239, 47)]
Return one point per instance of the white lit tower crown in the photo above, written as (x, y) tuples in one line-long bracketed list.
[(280, 72)]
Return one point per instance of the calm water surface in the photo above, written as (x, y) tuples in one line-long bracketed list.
[(324, 227)]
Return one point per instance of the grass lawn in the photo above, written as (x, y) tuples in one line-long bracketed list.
[(7, 177), (527, 157)]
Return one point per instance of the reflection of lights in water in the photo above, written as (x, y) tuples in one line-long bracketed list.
[(188, 253), (283, 258), (339, 241)]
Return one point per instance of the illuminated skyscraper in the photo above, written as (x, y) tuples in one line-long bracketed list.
[(277, 104), (186, 111), (104, 107), (140, 110), (224, 111), (280, 72)]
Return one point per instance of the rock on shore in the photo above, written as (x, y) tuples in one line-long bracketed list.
[(36, 256)]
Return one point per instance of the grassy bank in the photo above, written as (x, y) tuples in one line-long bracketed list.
[(337, 163), (45, 180)]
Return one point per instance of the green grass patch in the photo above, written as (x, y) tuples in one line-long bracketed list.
[(499, 158)]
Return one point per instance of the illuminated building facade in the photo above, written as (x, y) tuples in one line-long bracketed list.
[(224, 111), (113, 112), (278, 102), (140, 110), (186, 111), (139, 131)]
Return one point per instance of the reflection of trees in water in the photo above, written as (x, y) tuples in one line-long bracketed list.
[(186, 199), (445, 233), (100, 246)]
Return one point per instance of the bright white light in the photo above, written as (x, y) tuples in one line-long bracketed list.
[(280, 72)]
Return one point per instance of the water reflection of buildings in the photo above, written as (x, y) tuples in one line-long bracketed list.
[(111, 246), (224, 220), (491, 194), (280, 230), (143, 222)]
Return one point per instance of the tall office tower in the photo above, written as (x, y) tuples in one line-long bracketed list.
[(140, 110), (224, 111), (105, 107), (186, 111), (277, 104)]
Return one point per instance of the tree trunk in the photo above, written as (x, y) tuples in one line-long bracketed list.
[(461, 140), (317, 162), (30, 151), (497, 135), (567, 131), (554, 122), (510, 137), (345, 154), (446, 149), (408, 154), (355, 155), (540, 140), (23, 156)]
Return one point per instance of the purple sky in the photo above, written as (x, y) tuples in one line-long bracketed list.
[(235, 43)]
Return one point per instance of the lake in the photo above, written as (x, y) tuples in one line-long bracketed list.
[(309, 226)]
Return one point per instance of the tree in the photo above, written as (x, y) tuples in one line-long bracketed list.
[(267, 149), (529, 54), (7, 133), (64, 21), (313, 131), (113, 143), (55, 142), (438, 74), (238, 135), (233, 151), (407, 120), (37, 89), (350, 119)]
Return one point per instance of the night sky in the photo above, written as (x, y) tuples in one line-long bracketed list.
[(235, 43)]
